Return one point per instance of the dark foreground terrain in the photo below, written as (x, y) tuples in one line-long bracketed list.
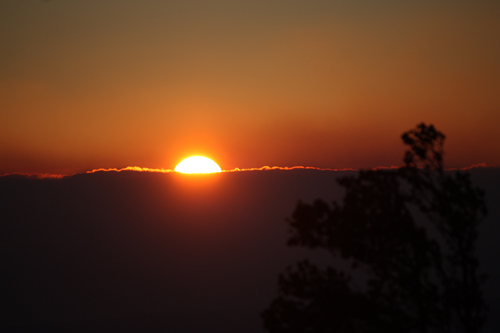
[(135, 251)]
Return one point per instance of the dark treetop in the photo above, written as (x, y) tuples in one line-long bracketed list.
[(402, 246)]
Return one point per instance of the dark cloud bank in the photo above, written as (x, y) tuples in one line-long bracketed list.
[(135, 251)]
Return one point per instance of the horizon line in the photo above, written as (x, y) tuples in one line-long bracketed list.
[(263, 168)]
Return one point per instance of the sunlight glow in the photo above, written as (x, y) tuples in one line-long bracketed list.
[(197, 164)]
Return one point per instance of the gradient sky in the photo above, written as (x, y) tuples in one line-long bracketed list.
[(101, 84)]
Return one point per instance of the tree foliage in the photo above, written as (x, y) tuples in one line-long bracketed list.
[(403, 252)]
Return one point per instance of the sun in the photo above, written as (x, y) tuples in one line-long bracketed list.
[(197, 164)]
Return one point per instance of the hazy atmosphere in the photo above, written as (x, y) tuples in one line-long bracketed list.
[(249, 166), (100, 84)]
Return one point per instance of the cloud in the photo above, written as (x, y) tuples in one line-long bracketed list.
[(297, 167), (34, 175), (131, 168), (475, 166), (263, 168)]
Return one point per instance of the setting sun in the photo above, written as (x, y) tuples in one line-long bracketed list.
[(197, 164)]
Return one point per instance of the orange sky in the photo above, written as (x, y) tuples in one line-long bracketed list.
[(108, 84)]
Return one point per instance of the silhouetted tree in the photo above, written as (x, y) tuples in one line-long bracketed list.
[(402, 244)]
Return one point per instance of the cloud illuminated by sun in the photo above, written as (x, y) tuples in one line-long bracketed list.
[(197, 164), (264, 168)]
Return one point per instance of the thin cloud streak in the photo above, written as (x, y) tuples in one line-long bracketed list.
[(131, 168), (297, 167), (35, 175), (475, 166), (263, 168)]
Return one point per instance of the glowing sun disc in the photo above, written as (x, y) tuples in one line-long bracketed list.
[(197, 164)]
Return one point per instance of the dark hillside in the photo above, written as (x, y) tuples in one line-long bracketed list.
[(146, 251)]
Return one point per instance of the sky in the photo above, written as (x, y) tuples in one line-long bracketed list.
[(330, 84)]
